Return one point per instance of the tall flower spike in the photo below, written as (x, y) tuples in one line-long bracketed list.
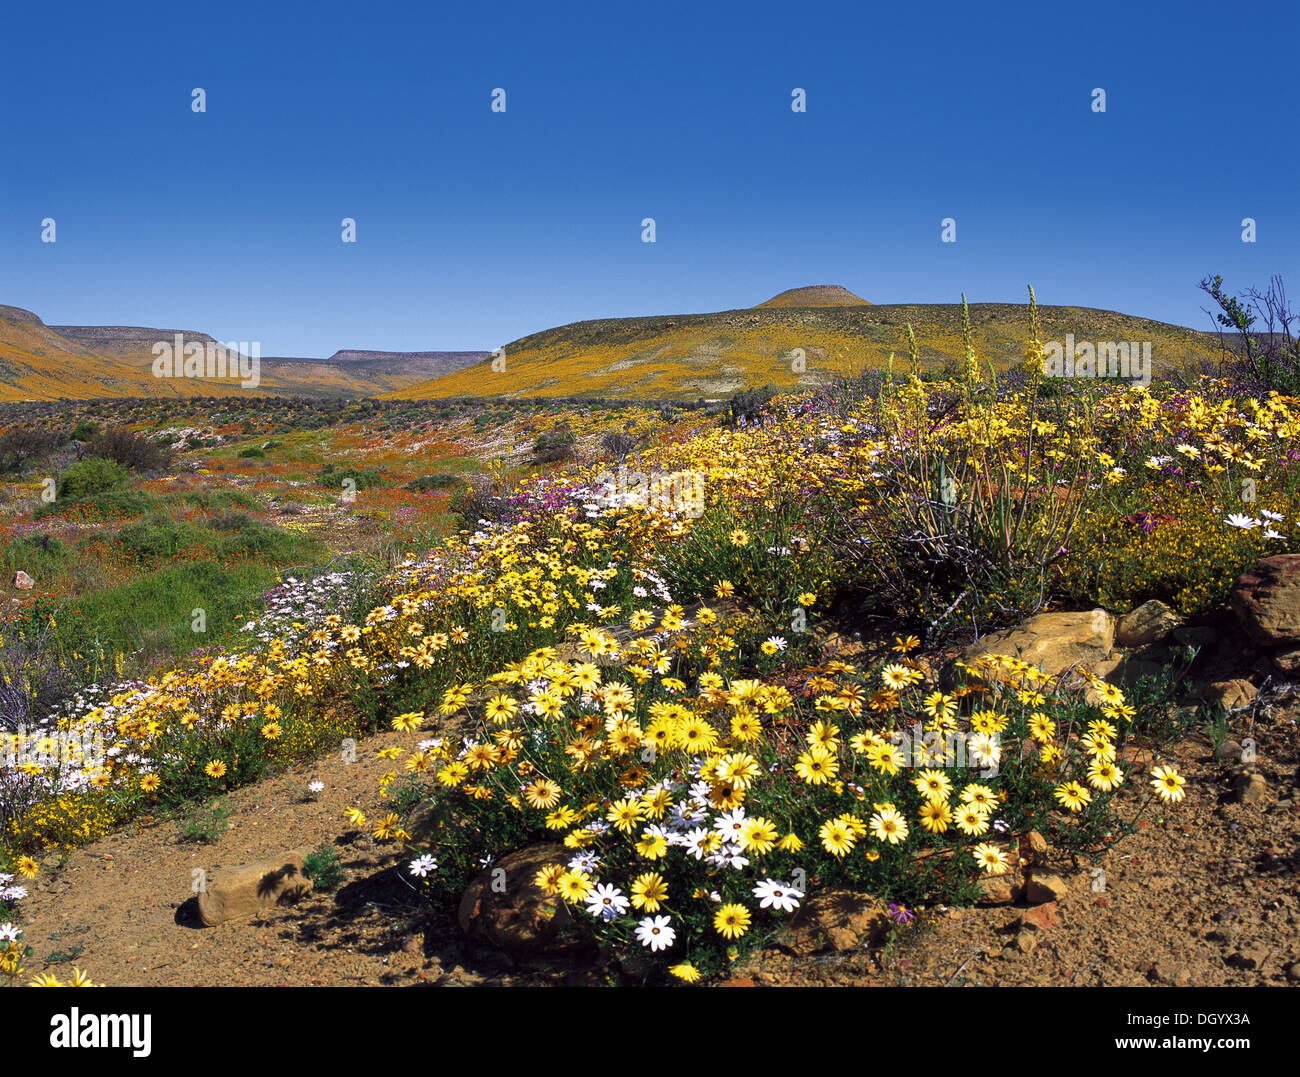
[(1034, 349), (972, 367)]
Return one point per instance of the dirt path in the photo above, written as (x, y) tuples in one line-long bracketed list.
[(1205, 894)]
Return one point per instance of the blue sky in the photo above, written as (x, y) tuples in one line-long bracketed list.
[(475, 227)]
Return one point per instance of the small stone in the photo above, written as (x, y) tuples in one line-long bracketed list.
[(1034, 848), (1043, 887), (22, 581), (1251, 788), (1293, 972), (1249, 957), (1040, 917), (1228, 752), (1025, 941), (997, 889), (1171, 972)]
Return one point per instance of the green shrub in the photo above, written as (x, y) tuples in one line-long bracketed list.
[(323, 867), (252, 453), (112, 504), (92, 476), (362, 477), (428, 483), (205, 825)]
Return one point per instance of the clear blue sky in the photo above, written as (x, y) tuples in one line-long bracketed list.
[(474, 227)]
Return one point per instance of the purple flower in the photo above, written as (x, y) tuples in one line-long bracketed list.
[(900, 914)]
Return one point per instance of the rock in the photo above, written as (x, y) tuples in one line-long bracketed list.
[(1053, 641), (1266, 600), (1228, 752), (834, 920), (1198, 636), (1293, 972), (239, 892), (1251, 787), (1033, 848), (998, 889), (1150, 623), (1169, 971), (1249, 957), (1040, 917), (23, 581), (1025, 941), (515, 915), (1287, 661), (1043, 887), (1230, 695)]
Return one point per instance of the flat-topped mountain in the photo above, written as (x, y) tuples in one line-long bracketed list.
[(44, 362)]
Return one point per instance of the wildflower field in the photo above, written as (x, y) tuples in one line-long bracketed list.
[(619, 653)]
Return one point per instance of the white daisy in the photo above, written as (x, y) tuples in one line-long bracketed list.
[(423, 866), (1245, 522), (773, 894), (607, 902), (654, 932)]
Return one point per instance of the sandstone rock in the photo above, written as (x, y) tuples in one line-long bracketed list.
[(834, 920), (1033, 848), (998, 889), (1042, 887), (1151, 622), (511, 912), (1266, 600), (1230, 695), (23, 581), (239, 892), (1287, 661), (1053, 641)]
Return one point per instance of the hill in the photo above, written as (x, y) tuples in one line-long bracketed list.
[(38, 363), (815, 295), (688, 356), (83, 362)]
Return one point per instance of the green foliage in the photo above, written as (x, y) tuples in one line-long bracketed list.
[(553, 445), (205, 825), (323, 867), (362, 477), (86, 478), (429, 483)]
